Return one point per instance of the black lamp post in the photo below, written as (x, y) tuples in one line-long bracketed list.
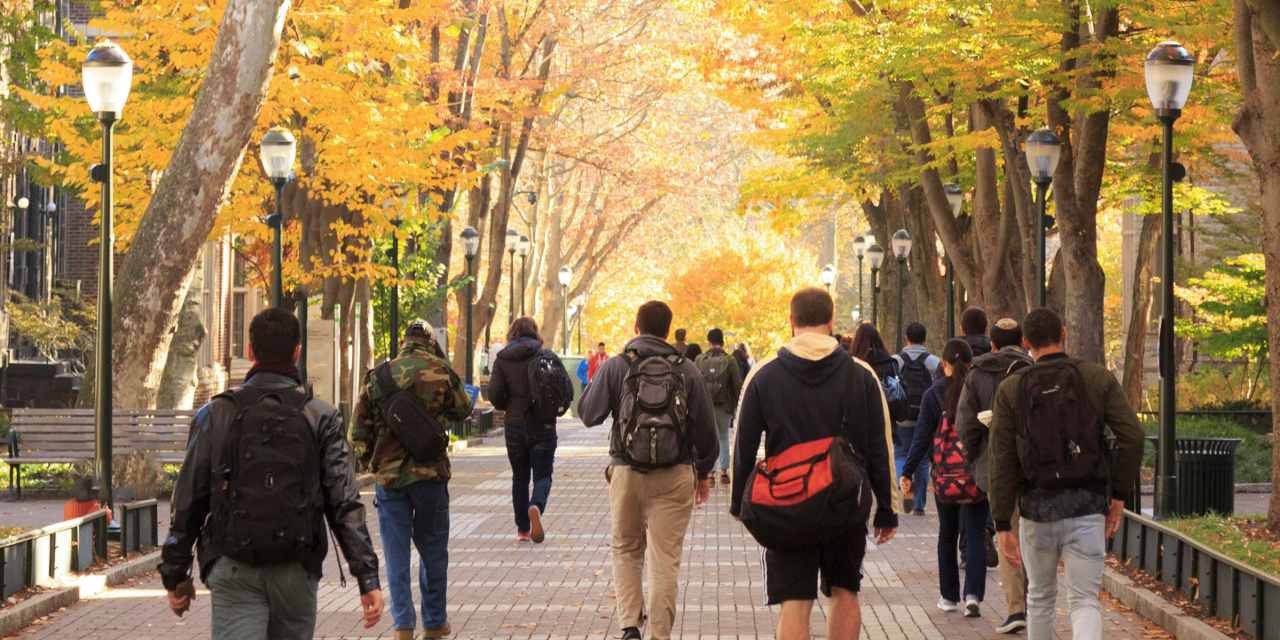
[(859, 249), (522, 247), (1169, 73), (108, 74), (901, 244), (566, 276), (487, 340), (1043, 150), (470, 244), (828, 277), (277, 151), (395, 204), (512, 241), (956, 199), (581, 301), (875, 256)]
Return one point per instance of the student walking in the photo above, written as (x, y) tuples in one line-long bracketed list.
[(917, 370), (593, 363), (663, 450), (973, 326), (806, 400), (409, 458), (724, 382), (266, 587), (530, 433), (956, 494), (1066, 491), (973, 416), (745, 361)]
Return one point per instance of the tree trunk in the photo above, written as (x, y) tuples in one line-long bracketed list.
[(1135, 346), (156, 273), (178, 383)]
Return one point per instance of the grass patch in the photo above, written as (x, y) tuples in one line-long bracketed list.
[(1253, 457), (7, 531), (1244, 538)]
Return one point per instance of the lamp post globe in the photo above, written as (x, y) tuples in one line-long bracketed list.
[(1043, 149), (23, 203), (470, 244), (107, 75), (828, 276), (875, 257), (277, 151), (901, 244), (1170, 71), (566, 276), (52, 207)]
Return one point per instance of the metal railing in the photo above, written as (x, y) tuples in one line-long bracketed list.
[(139, 526), (1241, 412), (1246, 597), (37, 557)]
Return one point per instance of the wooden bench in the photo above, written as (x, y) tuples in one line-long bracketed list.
[(66, 436)]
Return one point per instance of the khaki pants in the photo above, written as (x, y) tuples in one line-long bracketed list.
[(650, 513), (1013, 581)]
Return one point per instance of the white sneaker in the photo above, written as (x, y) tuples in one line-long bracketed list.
[(946, 605), (971, 607)]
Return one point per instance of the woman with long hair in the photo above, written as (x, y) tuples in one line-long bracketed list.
[(869, 347), (531, 442), (955, 493), (743, 355)]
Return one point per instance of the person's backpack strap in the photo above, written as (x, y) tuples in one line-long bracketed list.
[(386, 383)]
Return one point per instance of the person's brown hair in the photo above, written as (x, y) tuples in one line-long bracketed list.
[(812, 307), (274, 335), (1042, 328), (524, 327), (865, 338), (973, 322), (680, 334), (959, 355), (654, 318)]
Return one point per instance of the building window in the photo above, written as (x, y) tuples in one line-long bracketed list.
[(238, 310)]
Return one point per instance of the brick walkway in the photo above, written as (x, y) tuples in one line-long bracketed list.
[(563, 588)]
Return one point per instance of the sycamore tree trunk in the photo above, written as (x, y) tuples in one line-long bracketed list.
[(156, 273), (1135, 347), (178, 384)]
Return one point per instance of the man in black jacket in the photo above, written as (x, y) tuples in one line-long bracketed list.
[(276, 600), (794, 398)]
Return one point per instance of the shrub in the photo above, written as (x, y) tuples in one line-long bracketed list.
[(1257, 423), (1253, 456)]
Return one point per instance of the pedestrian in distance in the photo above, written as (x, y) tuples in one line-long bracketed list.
[(1050, 460), (868, 346), (745, 361), (973, 326), (260, 552), (681, 346), (973, 417), (812, 399), (662, 450), (584, 373), (530, 433), (956, 493), (918, 369), (724, 381), (597, 358), (693, 351), (398, 434)]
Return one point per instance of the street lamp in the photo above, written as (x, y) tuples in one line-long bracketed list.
[(875, 256), (277, 151), (1043, 150), (395, 204), (859, 250), (107, 75), (956, 199), (470, 244), (581, 301), (1169, 73), (23, 204), (566, 276), (522, 247), (901, 244), (512, 241), (828, 277)]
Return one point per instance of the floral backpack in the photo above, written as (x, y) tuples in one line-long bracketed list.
[(953, 481)]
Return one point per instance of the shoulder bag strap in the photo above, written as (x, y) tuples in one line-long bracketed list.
[(386, 384)]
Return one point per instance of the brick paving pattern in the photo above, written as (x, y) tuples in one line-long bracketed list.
[(563, 589)]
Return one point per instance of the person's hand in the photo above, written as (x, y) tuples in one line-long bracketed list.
[(1113, 517), (704, 491), (372, 604), (180, 599), (884, 535), (1009, 548), (904, 484)]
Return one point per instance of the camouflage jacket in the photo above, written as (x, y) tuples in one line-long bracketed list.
[(373, 442)]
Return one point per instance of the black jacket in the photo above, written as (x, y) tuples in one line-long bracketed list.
[(190, 522), (796, 397), (509, 381), (980, 344)]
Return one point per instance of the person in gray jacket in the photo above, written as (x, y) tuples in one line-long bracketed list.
[(978, 396), (650, 510)]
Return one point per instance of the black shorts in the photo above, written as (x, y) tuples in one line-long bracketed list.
[(793, 575)]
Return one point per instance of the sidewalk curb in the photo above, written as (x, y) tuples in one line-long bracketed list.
[(23, 614), (1158, 610)]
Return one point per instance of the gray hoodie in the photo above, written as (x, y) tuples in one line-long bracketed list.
[(604, 395), (979, 395)]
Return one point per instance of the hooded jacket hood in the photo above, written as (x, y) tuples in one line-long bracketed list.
[(980, 344), (998, 362), (647, 345), (812, 358), (521, 349)]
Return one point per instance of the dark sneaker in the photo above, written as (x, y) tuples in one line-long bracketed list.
[(993, 555), (631, 633), (1013, 624), (535, 525)]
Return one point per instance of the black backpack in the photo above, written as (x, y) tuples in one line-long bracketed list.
[(916, 380), (269, 503), (550, 389), (651, 422), (1061, 443), (418, 431)]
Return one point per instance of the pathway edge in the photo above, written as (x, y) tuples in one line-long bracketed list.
[(1158, 610)]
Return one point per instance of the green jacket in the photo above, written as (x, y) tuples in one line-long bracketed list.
[(1008, 485), (377, 448)]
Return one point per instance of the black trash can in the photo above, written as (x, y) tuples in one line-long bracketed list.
[(1206, 474), (484, 420)]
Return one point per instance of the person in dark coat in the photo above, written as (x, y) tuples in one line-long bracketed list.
[(531, 446)]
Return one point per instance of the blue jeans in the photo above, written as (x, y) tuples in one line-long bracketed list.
[(724, 422), (919, 481), (276, 602), (531, 451), (417, 514), (975, 553)]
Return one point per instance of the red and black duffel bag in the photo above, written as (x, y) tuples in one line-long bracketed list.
[(811, 493)]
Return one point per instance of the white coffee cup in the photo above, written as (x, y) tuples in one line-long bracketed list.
[(985, 417)]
